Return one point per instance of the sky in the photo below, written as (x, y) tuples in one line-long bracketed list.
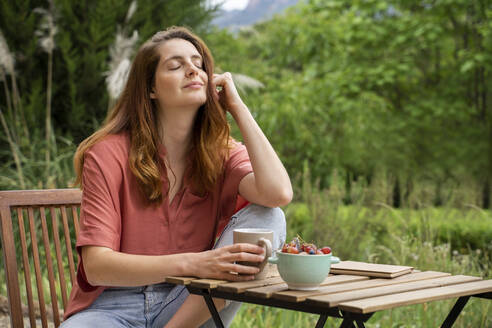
[(231, 4)]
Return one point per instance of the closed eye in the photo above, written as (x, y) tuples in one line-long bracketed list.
[(177, 67)]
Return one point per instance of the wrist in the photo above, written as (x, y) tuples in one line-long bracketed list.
[(189, 265)]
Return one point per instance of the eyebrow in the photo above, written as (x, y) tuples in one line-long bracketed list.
[(181, 57)]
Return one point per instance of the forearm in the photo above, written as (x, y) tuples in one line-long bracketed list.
[(271, 177), (105, 267), (196, 305)]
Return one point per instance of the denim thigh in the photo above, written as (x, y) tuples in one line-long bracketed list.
[(129, 307)]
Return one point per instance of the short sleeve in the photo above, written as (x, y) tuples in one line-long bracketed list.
[(237, 167), (100, 217)]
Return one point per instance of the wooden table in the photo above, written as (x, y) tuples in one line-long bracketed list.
[(353, 298)]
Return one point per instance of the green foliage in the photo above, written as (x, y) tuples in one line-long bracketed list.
[(376, 88), (320, 216), (299, 220)]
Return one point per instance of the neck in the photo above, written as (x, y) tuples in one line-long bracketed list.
[(177, 128)]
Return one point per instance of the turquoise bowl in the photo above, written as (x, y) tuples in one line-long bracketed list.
[(303, 272)]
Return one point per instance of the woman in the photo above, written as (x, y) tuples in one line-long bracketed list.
[(161, 179)]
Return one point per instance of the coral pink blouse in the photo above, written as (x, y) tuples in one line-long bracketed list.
[(114, 213)]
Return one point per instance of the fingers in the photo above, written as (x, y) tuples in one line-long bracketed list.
[(225, 91), (222, 76), (224, 262), (242, 257), (218, 83), (243, 252), (244, 247), (222, 79), (240, 269), (231, 271)]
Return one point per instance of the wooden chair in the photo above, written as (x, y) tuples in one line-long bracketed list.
[(48, 213)]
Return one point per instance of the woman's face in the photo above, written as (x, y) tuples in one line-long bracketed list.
[(180, 81)]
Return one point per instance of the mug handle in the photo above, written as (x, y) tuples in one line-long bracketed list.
[(334, 260), (268, 251)]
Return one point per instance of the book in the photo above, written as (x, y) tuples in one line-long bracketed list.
[(370, 269)]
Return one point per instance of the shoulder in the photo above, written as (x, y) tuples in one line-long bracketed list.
[(106, 162), (236, 148), (113, 146), (238, 156), (108, 155)]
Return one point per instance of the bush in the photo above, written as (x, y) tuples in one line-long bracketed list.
[(463, 230)]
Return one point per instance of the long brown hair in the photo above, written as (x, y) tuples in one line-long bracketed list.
[(138, 115)]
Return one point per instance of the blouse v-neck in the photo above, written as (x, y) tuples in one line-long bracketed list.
[(171, 205)]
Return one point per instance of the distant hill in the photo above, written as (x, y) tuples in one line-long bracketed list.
[(255, 11)]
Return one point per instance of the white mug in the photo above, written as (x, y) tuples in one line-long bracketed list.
[(260, 237)]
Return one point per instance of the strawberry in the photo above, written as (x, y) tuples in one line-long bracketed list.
[(326, 250), (292, 250), (284, 248)]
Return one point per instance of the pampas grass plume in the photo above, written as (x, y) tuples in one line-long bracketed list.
[(6, 58), (47, 30), (120, 53), (244, 82), (119, 65)]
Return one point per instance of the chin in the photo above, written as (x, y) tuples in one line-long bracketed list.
[(191, 101), (194, 104), (199, 102)]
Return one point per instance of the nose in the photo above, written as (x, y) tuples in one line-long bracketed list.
[(192, 71)]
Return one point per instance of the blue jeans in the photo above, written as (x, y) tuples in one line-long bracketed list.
[(154, 305)]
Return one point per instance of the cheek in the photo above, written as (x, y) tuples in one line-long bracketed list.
[(204, 76), (164, 82), (205, 80)]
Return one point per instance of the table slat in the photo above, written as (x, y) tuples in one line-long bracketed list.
[(180, 280), (240, 287), (267, 291), (207, 283), (418, 296), (300, 295), (335, 299)]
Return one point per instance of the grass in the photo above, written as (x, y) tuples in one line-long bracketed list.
[(416, 316)]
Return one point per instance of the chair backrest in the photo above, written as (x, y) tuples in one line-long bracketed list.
[(48, 213)]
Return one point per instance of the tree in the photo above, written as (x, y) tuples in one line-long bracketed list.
[(368, 87)]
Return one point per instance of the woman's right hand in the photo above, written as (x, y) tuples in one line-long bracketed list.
[(220, 263)]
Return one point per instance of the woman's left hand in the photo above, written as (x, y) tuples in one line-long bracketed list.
[(228, 96)]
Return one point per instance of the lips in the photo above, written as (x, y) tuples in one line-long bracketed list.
[(194, 85)]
